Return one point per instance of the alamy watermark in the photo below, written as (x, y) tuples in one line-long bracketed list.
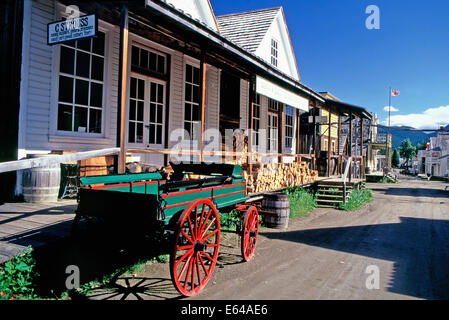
[(372, 22), (373, 280)]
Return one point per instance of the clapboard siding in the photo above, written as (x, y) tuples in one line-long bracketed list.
[(244, 100), (213, 98), (39, 77), (41, 99), (176, 92)]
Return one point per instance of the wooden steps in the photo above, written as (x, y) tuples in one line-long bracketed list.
[(330, 194)]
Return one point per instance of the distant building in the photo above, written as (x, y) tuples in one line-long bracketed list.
[(435, 159)]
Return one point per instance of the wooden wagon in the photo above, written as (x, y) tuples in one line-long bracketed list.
[(187, 209)]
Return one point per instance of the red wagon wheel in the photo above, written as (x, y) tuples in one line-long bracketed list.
[(250, 232), (195, 251)]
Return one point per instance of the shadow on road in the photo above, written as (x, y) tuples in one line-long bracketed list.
[(418, 247), (412, 192)]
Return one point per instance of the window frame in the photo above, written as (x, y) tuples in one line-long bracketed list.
[(195, 64), (274, 52), (63, 136), (287, 137)]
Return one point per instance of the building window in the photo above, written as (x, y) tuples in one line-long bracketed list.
[(274, 52), (136, 110), (272, 132), (333, 146), (192, 115), (256, 120), (325, 143), (81, 82), (288, 127), (274, 105), (147, 62), (157, 92)]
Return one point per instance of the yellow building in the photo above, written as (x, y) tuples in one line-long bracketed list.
[(324, 128)]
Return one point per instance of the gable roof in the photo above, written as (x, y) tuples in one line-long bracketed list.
[(197, 9), (247, 29)]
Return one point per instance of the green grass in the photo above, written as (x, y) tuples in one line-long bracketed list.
[(301, 202), (17, 276), (357, 199)]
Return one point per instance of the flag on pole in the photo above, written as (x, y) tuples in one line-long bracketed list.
[(394, 93)]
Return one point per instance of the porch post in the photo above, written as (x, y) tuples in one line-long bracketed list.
[(123, 63), (329, 137), (203, 100)]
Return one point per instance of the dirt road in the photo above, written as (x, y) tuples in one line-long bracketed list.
[(402, 236)]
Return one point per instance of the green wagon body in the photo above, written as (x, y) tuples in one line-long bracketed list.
[(187, 208), (150, 197)]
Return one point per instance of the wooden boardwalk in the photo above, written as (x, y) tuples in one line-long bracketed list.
[(24, 224)]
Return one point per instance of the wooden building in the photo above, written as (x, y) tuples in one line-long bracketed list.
[(163, 76)]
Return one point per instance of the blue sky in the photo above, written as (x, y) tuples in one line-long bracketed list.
[(337, 53)]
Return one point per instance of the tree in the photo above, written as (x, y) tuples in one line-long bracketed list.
[(395, 159), (407, 150)]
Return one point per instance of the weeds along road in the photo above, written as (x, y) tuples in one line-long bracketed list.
[(402, 236), (404, 233)]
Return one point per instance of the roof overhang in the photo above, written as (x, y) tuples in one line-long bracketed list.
[(343, 107), (217, 42)]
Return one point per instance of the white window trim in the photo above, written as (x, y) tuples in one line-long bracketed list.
[(195, 63), (54, 133)]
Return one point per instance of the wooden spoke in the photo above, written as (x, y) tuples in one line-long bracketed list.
[(249, 233), (198, 231)]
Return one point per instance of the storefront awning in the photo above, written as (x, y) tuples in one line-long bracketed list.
[(276, 92)]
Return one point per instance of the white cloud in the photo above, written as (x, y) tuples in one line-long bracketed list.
[(431, 118), (393, 109)]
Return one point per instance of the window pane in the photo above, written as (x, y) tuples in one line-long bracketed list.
[(159, 134), (80, 123), (187, 134), (98, 44), (161, 64), (141, 89), (153, 62), (160, 93), (67, 62), (64, 117), (153, 92), (82, 64), (96, 95), (65, 89), (135, 56), (195, 113), (151, 138), (144, 59), (196, 76), (159, 114), (97, 68), (131, 132), (133, 89), (84, 44), (152, 112), (140, 111), (132, 110), (188, 93), (188, 112), (82, 92), (189, 73), (139, 133), (196, 94), (95, 121)]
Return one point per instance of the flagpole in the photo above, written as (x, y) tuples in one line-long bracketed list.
[(387, 154)]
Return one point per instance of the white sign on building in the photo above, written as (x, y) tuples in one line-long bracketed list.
[(73, 29)]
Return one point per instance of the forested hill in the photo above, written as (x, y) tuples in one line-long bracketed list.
[(414, 136)]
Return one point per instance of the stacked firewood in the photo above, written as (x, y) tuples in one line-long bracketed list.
[(274, 176)]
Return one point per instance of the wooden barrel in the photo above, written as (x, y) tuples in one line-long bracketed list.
[(279, 204), (41, 184)]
